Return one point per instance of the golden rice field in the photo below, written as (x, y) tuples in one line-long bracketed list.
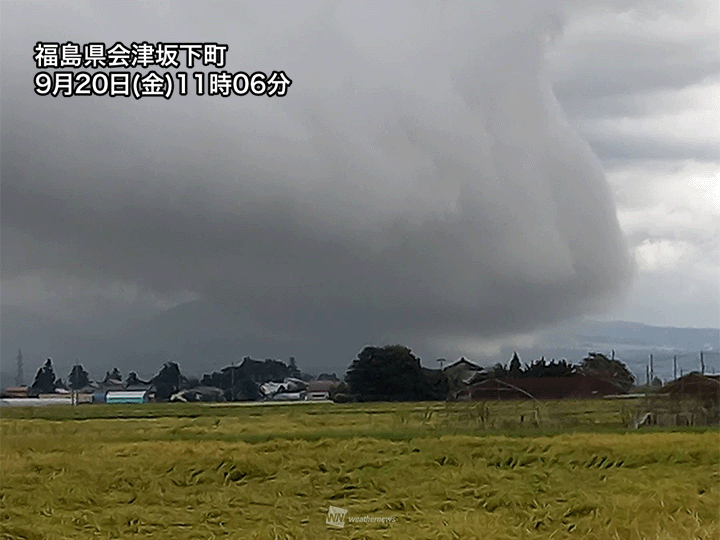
[(434, 471)]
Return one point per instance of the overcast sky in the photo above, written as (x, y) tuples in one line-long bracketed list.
[(439, 172)]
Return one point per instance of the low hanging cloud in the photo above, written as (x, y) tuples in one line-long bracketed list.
[(419, 180)]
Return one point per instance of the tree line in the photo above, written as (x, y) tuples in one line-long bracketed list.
[(393, 373), (389, 373), (237, 381)]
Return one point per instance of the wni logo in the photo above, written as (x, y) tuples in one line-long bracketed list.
[(336, 516)]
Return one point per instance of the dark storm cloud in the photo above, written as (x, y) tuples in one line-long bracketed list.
[(420, 179)]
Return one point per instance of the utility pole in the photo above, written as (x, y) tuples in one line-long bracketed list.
[(652, 369), (647, 375), (73, 391), (702, 364), (232, 379), (19, 380), (674, 368)]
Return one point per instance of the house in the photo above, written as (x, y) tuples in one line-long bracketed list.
[(289, 385), (288, 396), (463, 366), (34, 402), (703, 387), (127, 396), (320, 390), (101, 391), (17, 392), (199, 393), (57, 397), (462, 373), (81, 397)]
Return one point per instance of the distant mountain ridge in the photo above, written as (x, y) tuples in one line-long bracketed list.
[(633, 343), (622, 335), (203, 338)]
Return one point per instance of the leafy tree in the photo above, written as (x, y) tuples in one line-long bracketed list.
[(341, 388), (211, 379), (134, 380), (541, 368), (78, 377), (113, 375), (294, 371), (167, 381), (261, 372), (498, 371), (245, 390), (436, 385), (235, 381), (44, 380), (515, 370), (562, 369), (599, 365), (389, 373), (538, 368)]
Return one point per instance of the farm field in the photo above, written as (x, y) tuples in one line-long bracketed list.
[(464, 470)]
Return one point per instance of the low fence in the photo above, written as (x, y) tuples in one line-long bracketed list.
[(665, 410), (512, 415)]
